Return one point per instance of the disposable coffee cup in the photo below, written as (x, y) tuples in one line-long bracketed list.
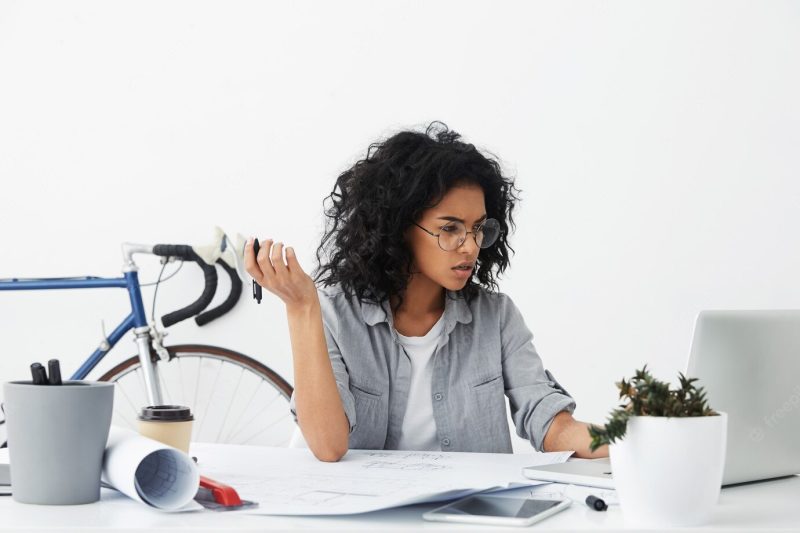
[(56, 438), (170, 424)]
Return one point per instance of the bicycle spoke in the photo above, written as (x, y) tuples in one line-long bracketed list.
[(230, 404), (119, 387), (164, 389), (258, 412), (243, 410), (140, 373), (279, 419), (197, 387), (210, 396), (180, 375)]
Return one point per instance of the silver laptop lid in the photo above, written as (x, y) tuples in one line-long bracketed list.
[(749, 364)]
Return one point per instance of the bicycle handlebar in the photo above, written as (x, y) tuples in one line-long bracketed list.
[(209, 272), (230, 301)]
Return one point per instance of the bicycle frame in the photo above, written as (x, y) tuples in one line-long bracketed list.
[(136, 320)]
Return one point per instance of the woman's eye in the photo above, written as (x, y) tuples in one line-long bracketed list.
[(448, 229)]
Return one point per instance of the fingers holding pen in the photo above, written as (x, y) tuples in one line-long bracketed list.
[(283, 277), (276, 256), (257, 261), (263, 260), (250, 263)]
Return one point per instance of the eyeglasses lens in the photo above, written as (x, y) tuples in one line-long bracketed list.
[(453, 235)]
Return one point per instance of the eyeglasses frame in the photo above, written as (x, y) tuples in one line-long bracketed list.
[(474, 235)]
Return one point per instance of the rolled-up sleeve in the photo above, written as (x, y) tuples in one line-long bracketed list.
[(330, 325), (534, 395)]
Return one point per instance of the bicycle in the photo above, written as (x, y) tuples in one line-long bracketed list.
[(246, 401)]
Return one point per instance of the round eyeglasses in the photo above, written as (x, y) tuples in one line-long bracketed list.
[(453, 234)]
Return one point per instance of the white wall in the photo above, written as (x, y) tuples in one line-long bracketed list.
[(655, 142)]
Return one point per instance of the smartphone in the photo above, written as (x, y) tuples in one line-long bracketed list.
[(497, 510)]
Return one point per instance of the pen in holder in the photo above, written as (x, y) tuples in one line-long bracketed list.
[(54, 370)]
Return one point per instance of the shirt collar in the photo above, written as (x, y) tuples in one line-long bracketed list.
[(455, 310)]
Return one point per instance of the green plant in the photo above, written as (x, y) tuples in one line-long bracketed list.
[(647, 396)]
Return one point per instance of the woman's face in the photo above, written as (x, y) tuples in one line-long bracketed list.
[(464, 203)]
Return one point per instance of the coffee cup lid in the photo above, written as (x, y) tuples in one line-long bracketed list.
[(166, 413)]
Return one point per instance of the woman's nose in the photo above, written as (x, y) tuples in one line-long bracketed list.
[(469, 244)]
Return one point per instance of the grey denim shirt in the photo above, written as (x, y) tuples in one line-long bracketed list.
[(485, 352)]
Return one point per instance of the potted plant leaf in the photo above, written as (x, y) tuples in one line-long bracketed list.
[(667, 450)]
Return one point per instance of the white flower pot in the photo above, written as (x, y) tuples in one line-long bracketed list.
[(668, 471)]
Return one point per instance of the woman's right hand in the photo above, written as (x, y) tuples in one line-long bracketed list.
[(287, 280)]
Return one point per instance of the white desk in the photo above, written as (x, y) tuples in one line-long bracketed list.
[(755, 506)]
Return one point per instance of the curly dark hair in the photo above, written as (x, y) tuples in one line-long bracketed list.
[(380, 196)]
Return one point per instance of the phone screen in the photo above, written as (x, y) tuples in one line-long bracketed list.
[(499, 506)]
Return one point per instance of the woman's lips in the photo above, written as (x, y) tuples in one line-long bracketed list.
[(463, 273)]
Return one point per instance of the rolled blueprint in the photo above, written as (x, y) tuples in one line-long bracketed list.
[(149, 471)]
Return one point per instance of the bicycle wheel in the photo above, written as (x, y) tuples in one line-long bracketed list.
[(234, 398)]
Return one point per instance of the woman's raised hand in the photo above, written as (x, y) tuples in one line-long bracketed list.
[(286, 280)]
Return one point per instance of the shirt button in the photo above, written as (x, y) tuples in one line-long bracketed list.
[(445, 442), (438, 396)]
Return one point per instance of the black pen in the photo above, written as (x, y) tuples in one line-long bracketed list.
[(596, 503), (54, 369), (38, 374), (256, 286)]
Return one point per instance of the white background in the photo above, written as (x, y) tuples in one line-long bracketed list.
[(656, 144)]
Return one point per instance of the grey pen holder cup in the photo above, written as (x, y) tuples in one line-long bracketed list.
[(56, 439)]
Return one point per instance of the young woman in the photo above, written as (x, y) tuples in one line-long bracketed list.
[(407, 344)]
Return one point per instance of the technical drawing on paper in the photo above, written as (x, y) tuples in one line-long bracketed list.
[(419, 461), (315, 490), (288, 481)]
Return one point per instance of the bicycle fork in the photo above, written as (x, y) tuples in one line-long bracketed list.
[(149, 369)]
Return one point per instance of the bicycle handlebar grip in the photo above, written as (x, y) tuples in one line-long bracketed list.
[(232, 299), (209, 272)]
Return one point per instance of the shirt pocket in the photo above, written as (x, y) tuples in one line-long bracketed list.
[(370, 430), (487, 381), (487, 416)]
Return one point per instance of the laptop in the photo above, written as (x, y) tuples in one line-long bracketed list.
[(749, 364)]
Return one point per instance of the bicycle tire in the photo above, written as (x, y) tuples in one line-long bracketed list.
[(278, 393)]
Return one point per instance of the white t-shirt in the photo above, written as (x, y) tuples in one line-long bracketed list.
[(418, 431)]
